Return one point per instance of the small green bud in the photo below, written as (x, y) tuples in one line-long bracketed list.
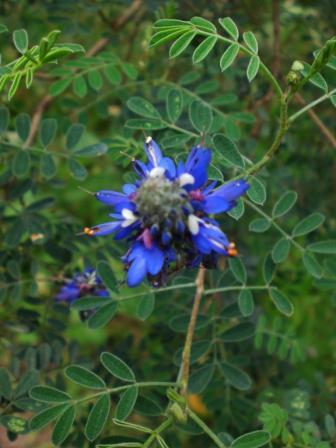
[(178, 413), (175, 396), (297, 66), (293, 77)]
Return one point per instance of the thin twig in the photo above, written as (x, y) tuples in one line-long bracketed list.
[(185, 366), (322, 127), (96, 48)]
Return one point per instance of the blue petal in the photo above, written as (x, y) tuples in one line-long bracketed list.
[(197, 165), (169, 166), (68, 293), (136, 272), (109, 197), (129, 189), (231, 191), (153, 152), (215, 204), (154, 260), (123, 232), (140, 168), (105, 228)]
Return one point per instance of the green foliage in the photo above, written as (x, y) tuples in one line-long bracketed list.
[(268, 308)]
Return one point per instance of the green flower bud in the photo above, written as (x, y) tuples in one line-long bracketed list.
[(178, 413)]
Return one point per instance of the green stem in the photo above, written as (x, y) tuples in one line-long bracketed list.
[(274, 224), (311, 105), (237, 288), (164, 425), (206, 429), (276, 86), (123, 388), (185, 366)]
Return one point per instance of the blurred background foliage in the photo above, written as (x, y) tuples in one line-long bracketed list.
[(75, 128)]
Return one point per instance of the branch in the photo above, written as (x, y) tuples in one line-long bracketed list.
[(96, 48), (308, 108), (185, 366)]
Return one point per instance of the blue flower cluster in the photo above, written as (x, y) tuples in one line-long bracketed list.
[(82, 284), (165, 215)]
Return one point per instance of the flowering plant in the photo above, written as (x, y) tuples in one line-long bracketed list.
[(165, 215)]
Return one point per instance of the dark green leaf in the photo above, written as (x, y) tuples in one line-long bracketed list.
[(204, 49), (230, 27), (198, 349), (257, 191), (57, 87), (200, 22), (238, 211), (95, 80), (126, 403), (27, 381), (228, 56), (281, 250), (181, 44), (117, 367), (308, 224), (246, 302), (106, 274), (165, 36), (253, 439), (235, 376), (180, 322), (46, 416), (312, 265), (49, 394), (74, 134), (23, 125), (113, 74), (284, 204), (89, 303), (77, 169), (103, 315), (21, 163), (174, 104), (84, 377), (20, 39), (200, 378), (5, 384), (97, 149), (147, 124), (15, 233), (323, 247), (238, 269), (47, 166), (63, 426), (268, 268), (227, 150), (79, 86), (48, 131), (4, 119), (142, 107), (146, 306), (281, 302), (252, 68), (97, 417), (238, 333), (251, 41), (259, 225), (200, 116)]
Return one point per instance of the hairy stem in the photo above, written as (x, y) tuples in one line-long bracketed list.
[(206, 429), (185, 366), (309, 106), (164, 425)]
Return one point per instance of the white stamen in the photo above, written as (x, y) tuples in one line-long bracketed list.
[(186, 179), (148, 140), (193, 224), (129, 216), (158, 171)]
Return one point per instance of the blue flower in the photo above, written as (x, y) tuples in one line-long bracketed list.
[(165, 215), (81, 285)]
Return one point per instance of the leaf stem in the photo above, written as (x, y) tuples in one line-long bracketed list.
[(185, 366), (311, 105), (206, 429), (164, 425)]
